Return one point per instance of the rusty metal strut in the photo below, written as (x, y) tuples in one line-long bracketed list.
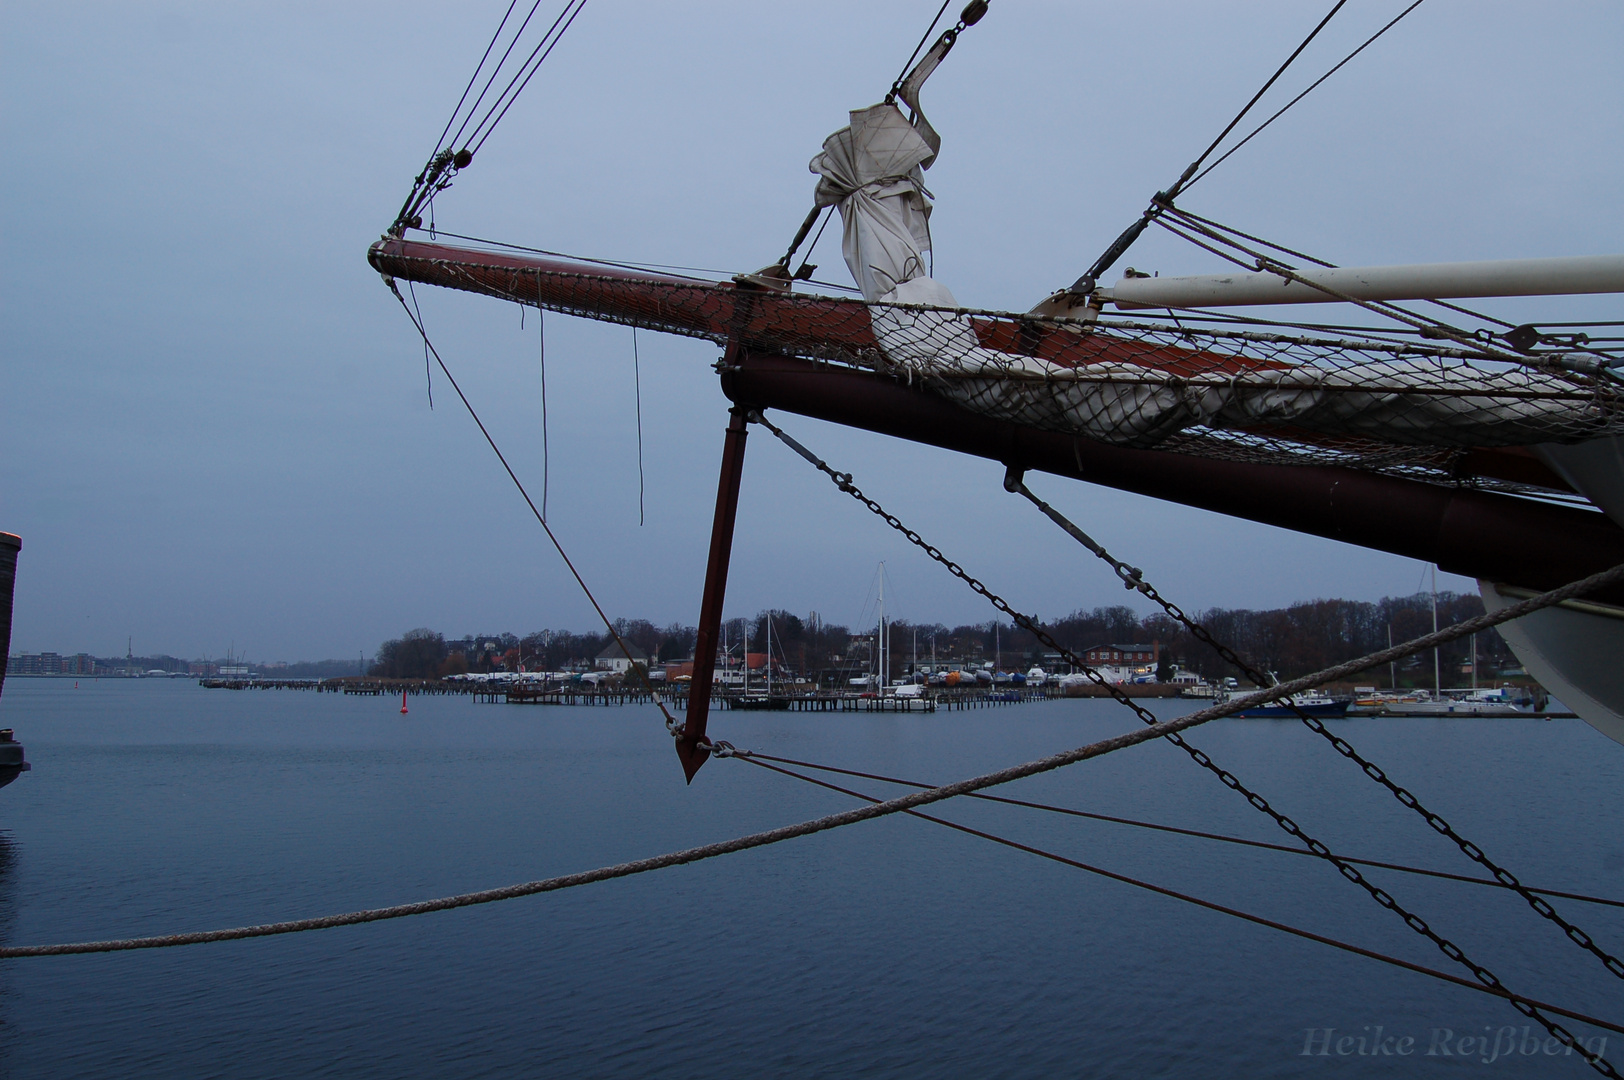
[(692, 747)]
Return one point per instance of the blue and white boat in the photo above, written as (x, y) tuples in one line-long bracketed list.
[(1313, 702)]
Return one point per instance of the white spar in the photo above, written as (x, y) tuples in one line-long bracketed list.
[(1422, 281)]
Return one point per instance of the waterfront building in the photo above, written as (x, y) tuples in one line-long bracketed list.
[(614, 658), (1123, 655), (49, 663), (1124, 663)]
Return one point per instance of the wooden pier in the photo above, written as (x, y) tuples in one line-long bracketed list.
[(517, 693), (568, 695), (348, 685)]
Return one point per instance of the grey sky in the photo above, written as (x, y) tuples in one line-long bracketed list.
[(214, 427)]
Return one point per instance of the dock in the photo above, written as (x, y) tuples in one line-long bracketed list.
[(577, 694), (350, 685)]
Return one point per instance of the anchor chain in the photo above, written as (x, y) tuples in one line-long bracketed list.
[(1133, 578), (844, 482)]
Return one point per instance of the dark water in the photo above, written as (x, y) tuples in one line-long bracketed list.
[(894, 948)]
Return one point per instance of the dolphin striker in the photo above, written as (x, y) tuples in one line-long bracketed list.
[(689, 749)]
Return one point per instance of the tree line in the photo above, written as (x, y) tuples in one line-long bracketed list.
[(1290, 641)]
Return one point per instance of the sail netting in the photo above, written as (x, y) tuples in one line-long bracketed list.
[(1403, 407)]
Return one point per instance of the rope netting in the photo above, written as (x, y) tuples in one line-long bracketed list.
[(1409, 408)]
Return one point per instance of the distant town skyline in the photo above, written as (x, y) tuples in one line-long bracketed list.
[(1295, 639)]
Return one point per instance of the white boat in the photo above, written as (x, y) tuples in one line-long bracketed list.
[(1499, 701)]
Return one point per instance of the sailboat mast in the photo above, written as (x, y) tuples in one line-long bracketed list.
[(1437, 679), (880, 651), (1392, 666), (769, 655)]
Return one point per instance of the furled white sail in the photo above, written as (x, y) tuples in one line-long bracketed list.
[(873, 170)]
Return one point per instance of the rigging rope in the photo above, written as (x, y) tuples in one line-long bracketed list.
[(1211, 906), (1428, 327), (1122, 243), (1184, 180), (489, 125), (1263, 844), (496, 70), (439, 144), (671, 724), (1133, 578), (1157, 730), (1368, 41), (896, 83), (444, 163), (1264, 263), (428, 370), (1278, 692), (1183, 213)]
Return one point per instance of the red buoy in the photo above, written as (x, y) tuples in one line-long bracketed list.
[(403, 703)]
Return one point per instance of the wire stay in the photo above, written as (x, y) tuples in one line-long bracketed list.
[(1175, 830), (1212, 906)]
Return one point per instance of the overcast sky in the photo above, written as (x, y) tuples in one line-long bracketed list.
[(214, 425)]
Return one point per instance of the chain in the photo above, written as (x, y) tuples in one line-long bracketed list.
[(1133, 578), (844, 482)]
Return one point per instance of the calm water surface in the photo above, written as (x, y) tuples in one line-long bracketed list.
[(893, 948)]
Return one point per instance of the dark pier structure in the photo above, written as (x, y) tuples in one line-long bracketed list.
[(12, 764), (518, 693)]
